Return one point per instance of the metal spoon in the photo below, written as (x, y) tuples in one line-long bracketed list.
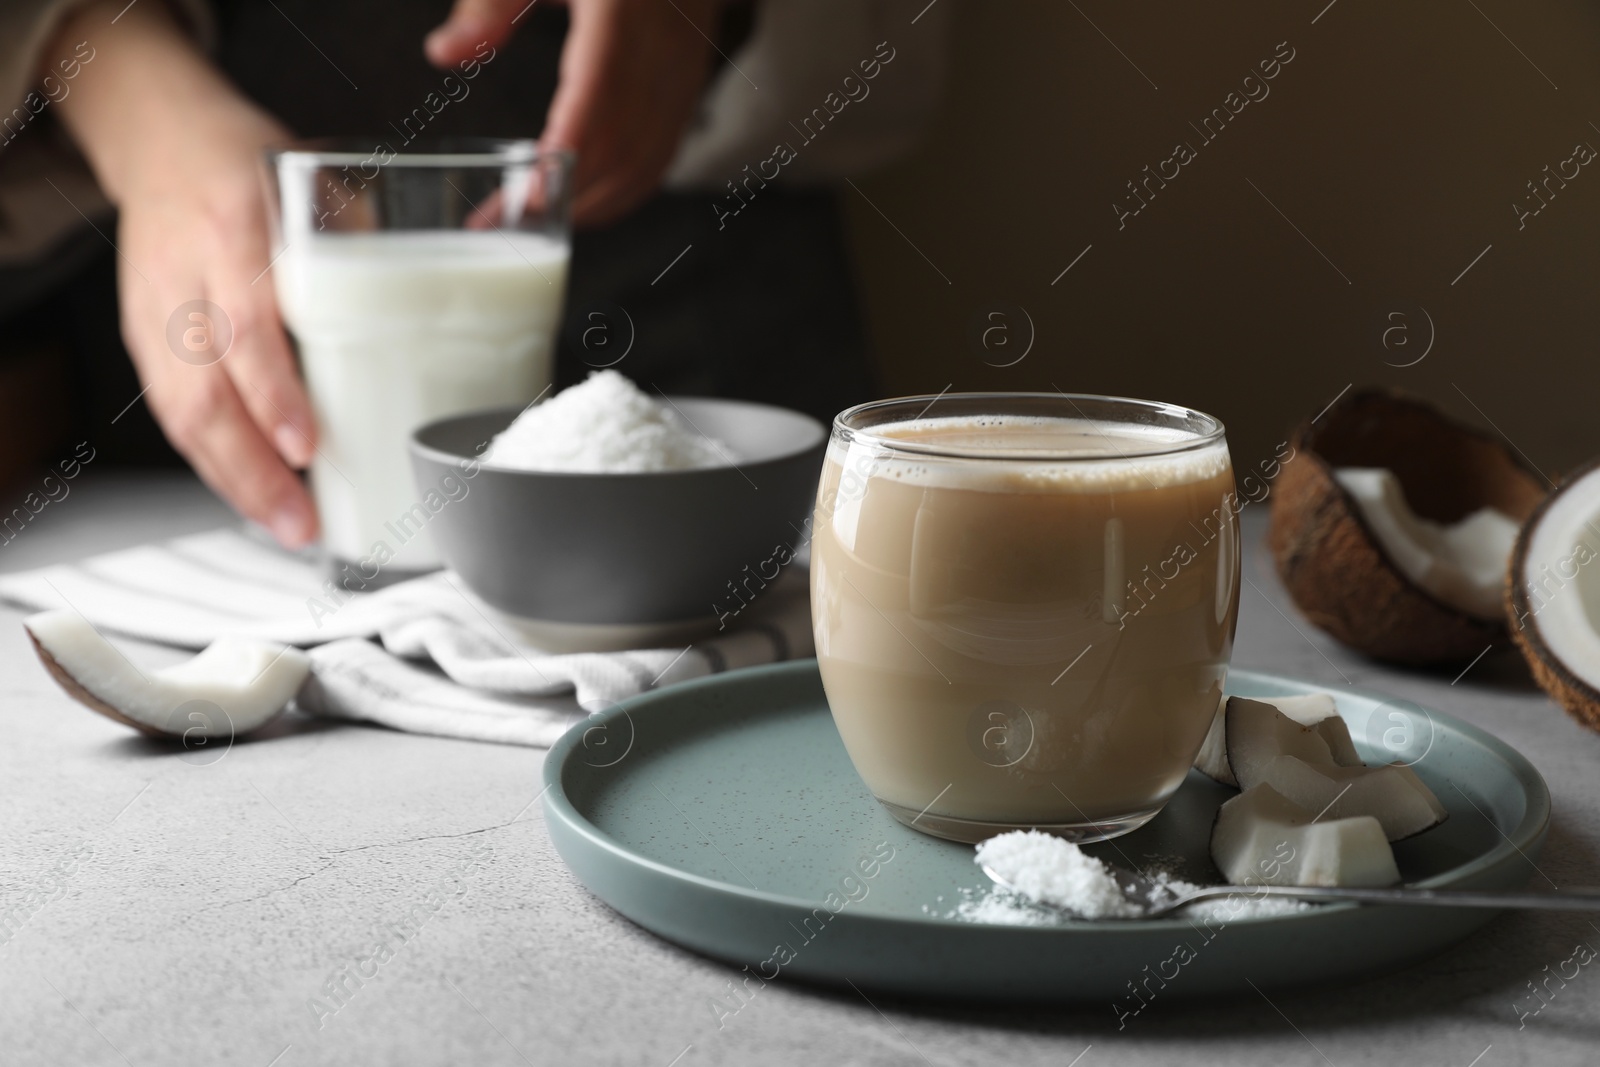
[(1155, 900)]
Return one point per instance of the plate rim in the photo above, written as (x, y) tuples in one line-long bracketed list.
[(1529, 831)]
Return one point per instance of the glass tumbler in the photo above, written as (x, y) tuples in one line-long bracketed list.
[(416, 283), (1024, 605)]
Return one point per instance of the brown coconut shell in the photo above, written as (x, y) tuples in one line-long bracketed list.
[(1332, 564), (1580, 700), (76, 691)]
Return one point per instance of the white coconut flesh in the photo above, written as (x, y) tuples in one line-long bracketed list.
[(1560, 576), (1257, 733), (249, 681), (1316, 711), (1462, 564), (1263, 838), (1266, 747), (1392, 794)]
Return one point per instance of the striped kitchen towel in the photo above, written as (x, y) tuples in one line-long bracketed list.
[(424, 656)]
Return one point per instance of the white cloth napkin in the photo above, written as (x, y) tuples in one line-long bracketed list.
[(443, 663)]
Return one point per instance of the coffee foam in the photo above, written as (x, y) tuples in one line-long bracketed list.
[(1060, 455)]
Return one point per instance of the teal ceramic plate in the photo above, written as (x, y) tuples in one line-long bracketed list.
[(724, 815)]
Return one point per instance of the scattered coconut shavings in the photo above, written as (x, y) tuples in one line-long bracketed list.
[(1047, 869), (605, 424), (1001, 907), (1226, 909)]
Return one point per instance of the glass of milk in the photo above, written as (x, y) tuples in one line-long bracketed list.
[(417, 283)]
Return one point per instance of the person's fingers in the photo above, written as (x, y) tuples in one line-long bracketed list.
[(488, 213), (470, 24), (608, 199), (583, 58), (630, 77), (206, 421), (627, 169), (577, 113), (263, 371), (201, 413)]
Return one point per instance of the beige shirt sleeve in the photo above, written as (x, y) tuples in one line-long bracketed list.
[(46, 190), (843, 85)]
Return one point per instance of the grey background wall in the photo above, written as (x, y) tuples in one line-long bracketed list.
[(1391, 148)]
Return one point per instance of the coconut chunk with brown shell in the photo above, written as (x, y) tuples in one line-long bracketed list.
[(1553, 597), (1334, 563), (240, 683)]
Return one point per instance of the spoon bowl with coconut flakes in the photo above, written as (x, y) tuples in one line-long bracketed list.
[(607, 516)]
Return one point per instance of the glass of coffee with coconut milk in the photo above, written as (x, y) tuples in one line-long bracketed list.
[(1024, 605), (417, 283)]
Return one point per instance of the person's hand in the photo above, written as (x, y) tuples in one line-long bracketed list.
[(631, 75), (178, 150)]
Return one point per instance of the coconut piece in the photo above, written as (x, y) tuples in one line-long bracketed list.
[(1321, 713), (1212, 759), (1392, 794), (1554, 595), (1263, 838), (249, 681), (1316, 710), (1334, 565), (1256, 733), (1463, 564), (1266, 746)]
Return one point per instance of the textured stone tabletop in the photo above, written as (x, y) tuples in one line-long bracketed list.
[(168, 909)]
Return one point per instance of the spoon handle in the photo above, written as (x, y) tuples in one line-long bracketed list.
[(1584, 898)]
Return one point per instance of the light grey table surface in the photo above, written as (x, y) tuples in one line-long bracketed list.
[(209, 903)]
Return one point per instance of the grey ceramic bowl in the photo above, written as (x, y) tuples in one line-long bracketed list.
[(620, 550)]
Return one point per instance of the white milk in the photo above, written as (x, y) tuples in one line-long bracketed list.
[(396, 330)]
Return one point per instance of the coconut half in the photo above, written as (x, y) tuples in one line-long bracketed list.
[(1372, 564), (1316, 711), (1554, 595), (250, 682), (1263, 838), (1462, 564)]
